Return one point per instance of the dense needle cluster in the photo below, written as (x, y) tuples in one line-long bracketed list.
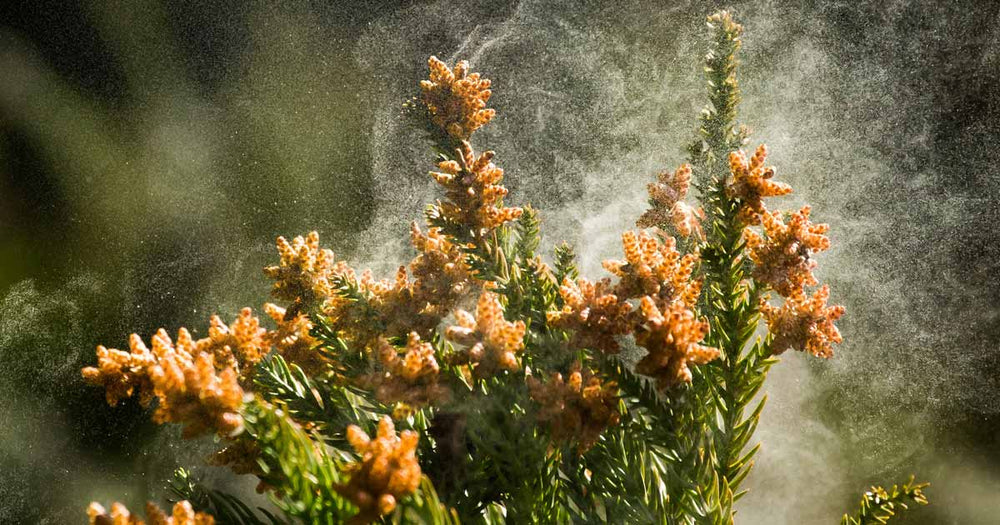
[(456, 100), (386, 472), (182, 514)]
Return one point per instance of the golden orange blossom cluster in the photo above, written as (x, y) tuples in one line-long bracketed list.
[(456, 99), (782, 256), (654, 272), (412, 378), (492, 343), (578, 409), (671, 336), (182, 514), (751, 183), (392, 308), (183, 377), (472, 187), (303, 274), (593, 314), (804, 323), (240, 345), (386, 472), (666, 196), (441, 276), (293, 340), (655, 269)]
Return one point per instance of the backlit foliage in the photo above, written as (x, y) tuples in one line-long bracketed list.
[(524, 392), (878, 505)]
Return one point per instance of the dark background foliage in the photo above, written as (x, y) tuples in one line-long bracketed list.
[(151, 151)]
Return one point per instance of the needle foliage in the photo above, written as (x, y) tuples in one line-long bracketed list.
[(487, 383)]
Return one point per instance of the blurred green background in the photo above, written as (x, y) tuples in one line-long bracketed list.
[(151, 151)]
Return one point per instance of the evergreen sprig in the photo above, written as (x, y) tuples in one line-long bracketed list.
[(326, 405), (565, 263), (225, 507), (306, 472), (878, 505), (730, 300)]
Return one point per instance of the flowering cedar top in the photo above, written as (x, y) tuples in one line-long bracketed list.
[(522, 376)]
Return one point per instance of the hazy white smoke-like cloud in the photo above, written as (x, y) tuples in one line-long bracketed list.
[(593, 100)]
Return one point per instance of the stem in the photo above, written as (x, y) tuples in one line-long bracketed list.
[(730, 300)]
